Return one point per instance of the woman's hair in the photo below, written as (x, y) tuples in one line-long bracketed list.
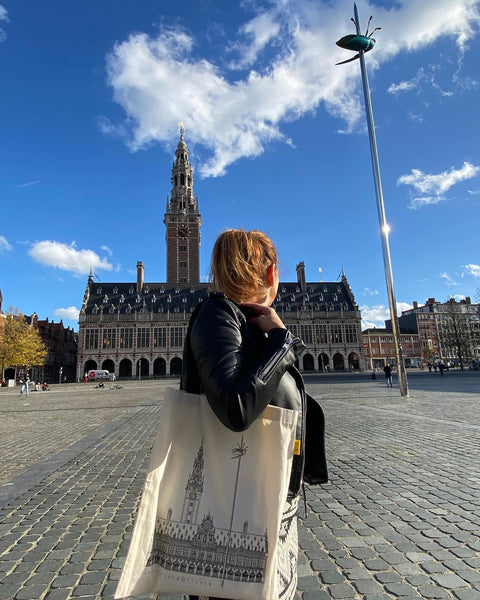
[(239, 262)]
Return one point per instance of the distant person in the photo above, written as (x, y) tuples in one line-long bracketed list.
[(26, 381), (85, 378), (429, 365), (441, 368), (435, 367), (45, 387), (387, 369)]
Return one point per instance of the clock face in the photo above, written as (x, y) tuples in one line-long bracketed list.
[(182, 231)]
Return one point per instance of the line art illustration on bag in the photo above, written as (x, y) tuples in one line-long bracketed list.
[(202, 549)]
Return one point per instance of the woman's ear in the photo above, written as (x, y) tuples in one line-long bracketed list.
[(271, 275)]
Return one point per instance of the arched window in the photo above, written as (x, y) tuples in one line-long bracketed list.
[(182, 178)]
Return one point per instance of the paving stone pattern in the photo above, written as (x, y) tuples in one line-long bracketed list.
[(400, 517)]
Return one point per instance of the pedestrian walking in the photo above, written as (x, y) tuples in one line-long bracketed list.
[(26, 381), (387, 369)]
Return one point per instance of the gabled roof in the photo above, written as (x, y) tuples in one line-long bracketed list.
[(168, 297)]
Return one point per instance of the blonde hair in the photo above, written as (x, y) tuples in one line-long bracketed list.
[(239, 262)]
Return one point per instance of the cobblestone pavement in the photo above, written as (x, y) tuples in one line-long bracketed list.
[(400, 517)]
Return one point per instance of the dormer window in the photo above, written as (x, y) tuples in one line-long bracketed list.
[(321, 297), (99, 290), (297, 289), (292, 298), (129, 308), (95, 310), (283, 290), (122, 299), (335, 297), (169, 298), (184, 299), (115, 290), (177, 290), (130, 290), (105, 299), (138, 299), (111, 310), (154, 298), (146, 289), (325, 289), (162, 290), (160, 309)]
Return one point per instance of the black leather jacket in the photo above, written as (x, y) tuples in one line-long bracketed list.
[(241, 370)]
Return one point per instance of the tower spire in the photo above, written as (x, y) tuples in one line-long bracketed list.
[(183, 220)]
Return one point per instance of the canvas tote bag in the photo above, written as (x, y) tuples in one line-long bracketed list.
[(211, 507)]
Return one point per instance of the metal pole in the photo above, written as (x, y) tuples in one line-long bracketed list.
[(402, 374)]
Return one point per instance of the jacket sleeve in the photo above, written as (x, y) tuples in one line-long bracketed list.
[(238, 386)]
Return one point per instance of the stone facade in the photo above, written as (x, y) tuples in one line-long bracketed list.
[(138, 329)]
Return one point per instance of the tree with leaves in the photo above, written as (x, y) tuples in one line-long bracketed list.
[(21, 344)]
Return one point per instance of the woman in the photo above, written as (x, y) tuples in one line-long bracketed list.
[(239, 353)]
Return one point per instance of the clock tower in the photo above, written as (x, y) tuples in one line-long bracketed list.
[(182, 221)]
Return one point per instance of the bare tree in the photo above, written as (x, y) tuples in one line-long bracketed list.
[(455, 333)]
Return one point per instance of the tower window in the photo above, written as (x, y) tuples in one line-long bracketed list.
[(182, 178)]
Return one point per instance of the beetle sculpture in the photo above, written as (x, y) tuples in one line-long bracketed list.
[(357, 42)]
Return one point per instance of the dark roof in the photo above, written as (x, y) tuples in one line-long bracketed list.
[(168, 297)]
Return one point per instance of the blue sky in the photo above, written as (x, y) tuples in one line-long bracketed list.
[(93, 93)]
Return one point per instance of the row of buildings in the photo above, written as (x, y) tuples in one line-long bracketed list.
[(61, 344), (136, 329)]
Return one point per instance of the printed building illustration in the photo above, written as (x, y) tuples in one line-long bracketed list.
[(136, 329), (201, 548)]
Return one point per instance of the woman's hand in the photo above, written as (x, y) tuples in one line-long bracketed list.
[(263, 316)]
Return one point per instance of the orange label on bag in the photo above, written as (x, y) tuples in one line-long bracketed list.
[(296, 447)]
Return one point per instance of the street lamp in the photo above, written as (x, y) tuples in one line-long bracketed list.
[(361, 44)]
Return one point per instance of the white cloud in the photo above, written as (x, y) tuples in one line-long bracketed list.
[(4, 245), (448, 279), (261, 30), (370, 292), (433, 187), (160, 81), (424, 77), (28, 184), (70, 313), (67, 258), (107, 250), (458, 297), (473, 270), (375, 316), (3, 17)]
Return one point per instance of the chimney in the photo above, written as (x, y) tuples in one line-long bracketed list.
[(415, 304), (301, 276), (140, 272)]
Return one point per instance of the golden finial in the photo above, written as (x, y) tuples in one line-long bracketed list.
[(181, 129)]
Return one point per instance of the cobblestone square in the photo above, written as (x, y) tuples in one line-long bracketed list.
[(400, 517)]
